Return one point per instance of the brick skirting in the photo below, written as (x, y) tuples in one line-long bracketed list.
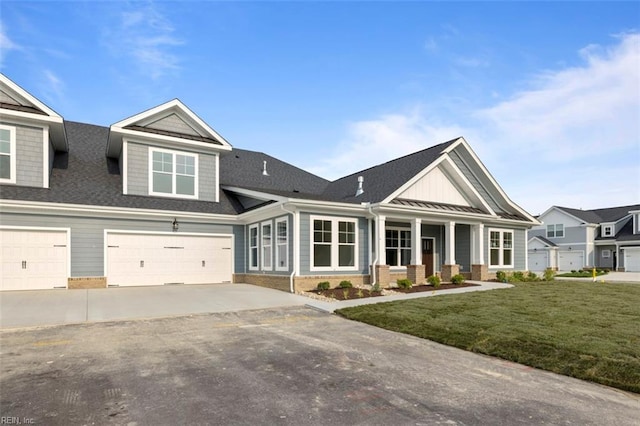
[(81, 283)]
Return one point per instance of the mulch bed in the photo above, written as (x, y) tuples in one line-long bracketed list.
[(357, 293)]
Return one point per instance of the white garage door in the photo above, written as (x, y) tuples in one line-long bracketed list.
[(33, 259), (570, 260), (538, 260), (136, 259), (632, 259)]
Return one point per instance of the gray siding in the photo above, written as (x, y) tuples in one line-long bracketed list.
[(572, 235), (29, 155), (138, 172), (246, 248), (87, 235), (240, 257), (463, 247), (604, 262), (173, 123), (305, 247), (52, 154)]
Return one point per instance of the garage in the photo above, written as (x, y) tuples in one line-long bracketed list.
[(570, 260), (632, 259), (34, 259), (538, 260), (134, 259)]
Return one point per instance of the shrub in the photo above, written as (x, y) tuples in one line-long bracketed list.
[(549, 274), (501, 276), (434, 280), (345, 292), (457, 279), (404, 283), (375, 288), (531, 276), (517, 277), (345, 284), (324, 285), (360, 293)]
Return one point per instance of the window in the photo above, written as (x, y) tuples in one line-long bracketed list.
[(7, 154), (501, 248), (606, 254), (334, 244), (266, 244), (607, 231), (282, 244), (253, 247), (173, 173), (398, 244), (555, 231)]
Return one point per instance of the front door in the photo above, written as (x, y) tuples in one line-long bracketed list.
[(427, 256)]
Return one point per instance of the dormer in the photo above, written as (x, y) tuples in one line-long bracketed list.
[(636, 221), (608, 229), (168, 151), (30, 134)]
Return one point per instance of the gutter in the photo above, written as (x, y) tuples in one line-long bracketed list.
[(296, 225)]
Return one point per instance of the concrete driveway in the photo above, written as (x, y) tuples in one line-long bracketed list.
[(286, 366)]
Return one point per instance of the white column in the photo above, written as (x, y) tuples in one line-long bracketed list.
[(380, 239), (450, 243), (416, 242), (478, 244)]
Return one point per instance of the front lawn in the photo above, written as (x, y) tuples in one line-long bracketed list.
[(582, 329)]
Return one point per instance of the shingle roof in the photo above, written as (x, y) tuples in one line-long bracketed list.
[(626, 233), (382, 180), (546, 241), (85, 176), (611, 214)]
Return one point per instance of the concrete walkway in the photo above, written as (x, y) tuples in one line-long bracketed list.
[(55, 307)]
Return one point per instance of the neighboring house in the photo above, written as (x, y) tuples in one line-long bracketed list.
[(161, 198), (572, 239)]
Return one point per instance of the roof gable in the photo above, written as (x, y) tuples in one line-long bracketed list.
[(171, 122), (436, 186), (596, 216)]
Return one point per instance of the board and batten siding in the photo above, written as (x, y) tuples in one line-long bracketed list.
[(138, 172), (87, 234), (305, 246)]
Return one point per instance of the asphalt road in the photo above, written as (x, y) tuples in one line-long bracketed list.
[(284, 366)]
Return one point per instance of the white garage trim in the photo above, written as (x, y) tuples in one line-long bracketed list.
[(562, 253), (631, 259), (211, 236), (67, 232)]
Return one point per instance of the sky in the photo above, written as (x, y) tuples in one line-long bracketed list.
[(546, 93)]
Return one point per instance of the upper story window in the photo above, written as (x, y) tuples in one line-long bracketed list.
[(501, 248), (607, 231), (7, 154), (555, 231), (333, 244), (398, 247), (173, 173)]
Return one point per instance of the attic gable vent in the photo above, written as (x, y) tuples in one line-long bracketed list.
[(360, 190), (264, 168)]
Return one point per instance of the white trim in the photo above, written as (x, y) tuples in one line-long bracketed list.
[(12, 153), (398, 249), (285, 267), (500, 249), (45, 155), (48, 229), (335, 244), (257, 247), (555, 230), (174, 173), (26, 98), (433, 260), (125, 167), (263, 264), (217, 183)]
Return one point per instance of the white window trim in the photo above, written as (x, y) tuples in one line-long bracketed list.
[(501, 249), (335, 245), (555, 230), (285, 266), (606, 254), (604, 230), (12, 154), (257, 246), (399, 248), (153, 149), (263, 265)]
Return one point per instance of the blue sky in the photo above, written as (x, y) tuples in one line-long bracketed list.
[(546, 93)]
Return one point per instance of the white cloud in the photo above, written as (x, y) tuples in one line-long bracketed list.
[(6, 44), (52, 87), (147, 37), (573, 139)]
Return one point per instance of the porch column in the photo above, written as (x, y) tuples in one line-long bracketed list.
[(416, 270), (479, 270), (381, 268), (450, 268)]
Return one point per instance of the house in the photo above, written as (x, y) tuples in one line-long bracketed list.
[(162, 198), (572, 239)]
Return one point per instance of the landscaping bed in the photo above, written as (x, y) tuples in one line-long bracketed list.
[(427, 287), (359, 293)]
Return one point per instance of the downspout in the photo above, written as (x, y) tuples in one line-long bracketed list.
[(294, 232), (373, 264)]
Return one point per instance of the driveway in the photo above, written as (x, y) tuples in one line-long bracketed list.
[(284, 366)]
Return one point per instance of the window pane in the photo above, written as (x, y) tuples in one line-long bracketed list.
[(507, 240), (495, 239), (495, 257), (254, 257), (5, 167), (5, 135), (346, 232), (162, 183), (551, 231), (346, 255), (253, 237), (506, 257), (185, 165), (560, 230), (185, 185), (405, 257), (5, 147), (321, 255), (282, 255), (162, 162), (266, 257), (282, 231), (392, 257)]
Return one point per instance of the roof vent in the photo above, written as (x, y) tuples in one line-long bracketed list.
[(360, 191), (264, 168)]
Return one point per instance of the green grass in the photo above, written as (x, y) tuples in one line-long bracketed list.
[(581, 329), (580, 274)]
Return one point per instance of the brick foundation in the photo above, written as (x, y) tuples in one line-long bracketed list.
[(81, 283), (310, 282), (278, 282), (383, 276), (416, 273), (479, 272), (449, 271)]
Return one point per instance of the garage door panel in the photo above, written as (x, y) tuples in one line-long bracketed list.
[(570, 260), (632, 259), (167, 259), (538, 261)]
